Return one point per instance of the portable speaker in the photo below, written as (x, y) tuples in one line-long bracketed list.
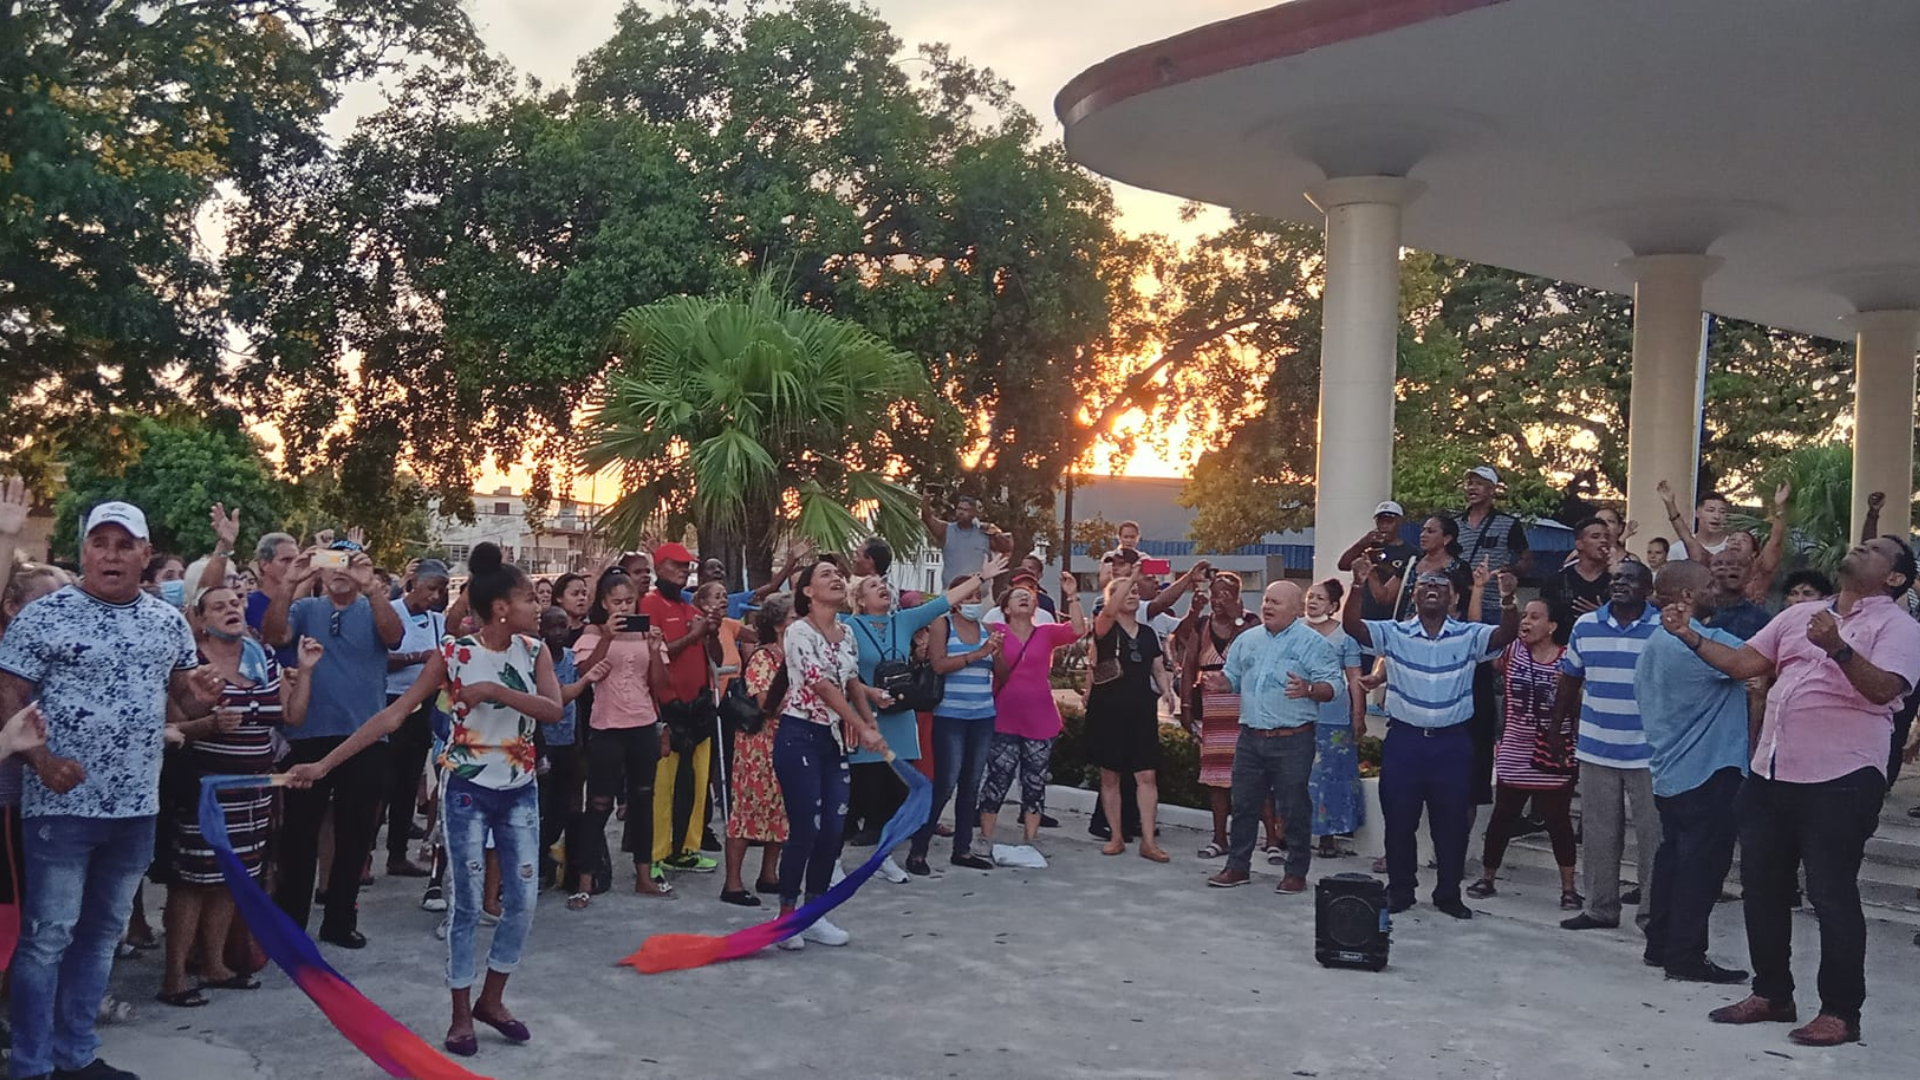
[(1351, 923)]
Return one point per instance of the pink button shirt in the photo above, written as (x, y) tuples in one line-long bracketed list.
[(1818, 727)]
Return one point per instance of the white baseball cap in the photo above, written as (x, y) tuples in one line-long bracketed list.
[(1485, 472), (125, 515), (1390, 507)]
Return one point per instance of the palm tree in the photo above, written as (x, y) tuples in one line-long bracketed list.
[(748, 415), (1822, 506)]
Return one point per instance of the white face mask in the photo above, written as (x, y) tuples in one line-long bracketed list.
[(971, 611), (1320, 620)]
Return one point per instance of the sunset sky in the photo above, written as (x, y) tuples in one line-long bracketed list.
[(1035, 46)]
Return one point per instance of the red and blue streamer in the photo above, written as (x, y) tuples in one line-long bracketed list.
[(378, 1035), (678, 952)]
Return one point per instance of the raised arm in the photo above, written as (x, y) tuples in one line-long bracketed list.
[(1746, 662), (387, 628), (296, 684), (1509, 627), (1767, 563), (1695, 549), (1168, 596), (1350, 619), (936, 529), (1871, 527), (15, 501), (993, 567), (1070, 603), (275, 631)]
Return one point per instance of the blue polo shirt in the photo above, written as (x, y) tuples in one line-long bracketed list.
[(1430, 676), (1258, 663), (1695, 715), (350, 681), (1603, 651)]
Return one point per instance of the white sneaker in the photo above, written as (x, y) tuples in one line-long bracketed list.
[(440, 931), (792, 944), (839, 875), (892, 872), (825, 933)]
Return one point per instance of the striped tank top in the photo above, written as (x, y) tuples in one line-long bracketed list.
[(968, 694)]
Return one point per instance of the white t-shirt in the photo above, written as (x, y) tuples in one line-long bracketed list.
[(418, 633)]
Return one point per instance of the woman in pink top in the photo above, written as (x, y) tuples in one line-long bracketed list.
[(1026, 721), (628, 739)]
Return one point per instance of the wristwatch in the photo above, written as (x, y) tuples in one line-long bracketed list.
[(1841, 655)]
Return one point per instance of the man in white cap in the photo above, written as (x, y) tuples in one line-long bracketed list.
[(103, 657), (1392, 555)]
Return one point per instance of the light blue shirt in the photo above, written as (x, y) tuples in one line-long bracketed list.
[(1430, 676), (1258, 663), (1695, 715), (891, 638), (1603, 652), (1339, 711)]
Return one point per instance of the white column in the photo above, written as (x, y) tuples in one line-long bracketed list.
[(1360, 327), (1663, 426), (1883, 388)]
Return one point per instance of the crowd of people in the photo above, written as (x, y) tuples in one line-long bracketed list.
[(522, 716)]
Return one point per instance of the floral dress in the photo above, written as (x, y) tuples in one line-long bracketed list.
[(759, 814), (490, 744)]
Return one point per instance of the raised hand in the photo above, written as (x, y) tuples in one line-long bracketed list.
[(323, 538), (1875, 501), (15, 501), (310, 651), (226, 526), (1482, 573), (357, 535), (995, 565), (360, 569), (1665, 491), (1781, 495), (1509, 582), (1069, 585)]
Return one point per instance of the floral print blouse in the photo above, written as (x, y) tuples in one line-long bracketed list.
[(491, 745)]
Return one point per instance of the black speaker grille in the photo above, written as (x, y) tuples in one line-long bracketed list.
[(1351, 922)]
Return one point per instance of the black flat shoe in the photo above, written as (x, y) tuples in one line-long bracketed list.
[(1457, 909), (740, 897), (970, 862), (345, 939), (1708, 972), (767, 888), (1048, 821), (917, 866), (1584, 921), (1395, 907)]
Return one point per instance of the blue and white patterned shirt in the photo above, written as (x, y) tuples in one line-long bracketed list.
[(102, 672), (1603, 652), (1430, 677)]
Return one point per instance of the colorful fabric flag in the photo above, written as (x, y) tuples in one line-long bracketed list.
[(379, 1036), (677, 952)]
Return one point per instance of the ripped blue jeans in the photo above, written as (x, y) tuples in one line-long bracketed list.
[(469, 812), (813, 780)]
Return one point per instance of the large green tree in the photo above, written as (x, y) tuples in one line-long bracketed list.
[(121, 122), (447, 290), (175, 468)]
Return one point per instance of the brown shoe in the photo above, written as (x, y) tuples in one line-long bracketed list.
[(1291, 884), (1228, 878), (1755, 1010), (1825, 1030), (1154, 854)]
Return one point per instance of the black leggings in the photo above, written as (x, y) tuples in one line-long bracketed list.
[(560, 787), (619, 761), (1555, 807)]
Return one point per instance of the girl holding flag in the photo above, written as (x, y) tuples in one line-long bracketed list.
[(497, 683)]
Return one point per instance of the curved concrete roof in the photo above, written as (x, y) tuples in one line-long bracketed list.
[(1557, 137)]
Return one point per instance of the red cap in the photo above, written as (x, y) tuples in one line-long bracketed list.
[(1024, 575), (671, 552)]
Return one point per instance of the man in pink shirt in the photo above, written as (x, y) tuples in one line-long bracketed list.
[(1840, 668)]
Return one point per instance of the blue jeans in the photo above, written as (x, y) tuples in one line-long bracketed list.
[(80, 878), (1430, 768), (1272, 769), (813, 781), (513, 817), (959, 758)]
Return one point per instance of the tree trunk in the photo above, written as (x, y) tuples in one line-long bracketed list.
[(757, 546), (726, 544)]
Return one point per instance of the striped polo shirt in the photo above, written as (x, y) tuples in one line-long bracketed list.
[(1603, 652), (967, 693), (1430, 677)]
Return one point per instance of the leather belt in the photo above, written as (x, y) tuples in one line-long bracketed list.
[(1275, 733)]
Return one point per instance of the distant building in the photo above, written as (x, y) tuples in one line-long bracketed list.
[(560, 541)]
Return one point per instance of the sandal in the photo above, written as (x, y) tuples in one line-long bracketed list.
[(1482, 889), (185, 999), (239, 980), (579, 901), (1571, 900), (1212, 851)]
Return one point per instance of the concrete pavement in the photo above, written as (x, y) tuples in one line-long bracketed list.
[(1096, 967)]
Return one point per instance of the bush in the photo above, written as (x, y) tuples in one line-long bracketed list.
[(1178, 775)]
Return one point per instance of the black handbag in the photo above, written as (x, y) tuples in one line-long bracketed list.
[(688, 723), (738, 710), (913, 684)]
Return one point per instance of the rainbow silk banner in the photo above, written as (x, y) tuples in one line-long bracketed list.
[(383, 1039), (677, 952)]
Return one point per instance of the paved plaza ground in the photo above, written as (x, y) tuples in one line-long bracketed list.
[(1095, 967)]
